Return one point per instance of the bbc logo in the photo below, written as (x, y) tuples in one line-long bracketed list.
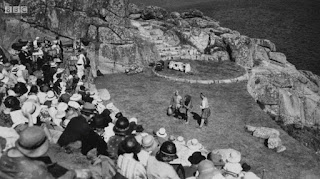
[(15, 9)]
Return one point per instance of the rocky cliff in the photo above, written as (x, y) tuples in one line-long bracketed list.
[(122, 34)]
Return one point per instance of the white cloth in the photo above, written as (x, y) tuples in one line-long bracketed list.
[(18, 118), (204, 103), (10, 135), (248, 175), (233, 167), (108, 132)]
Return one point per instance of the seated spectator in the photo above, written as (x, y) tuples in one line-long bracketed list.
[(122, 129), (150, 145), (79, 129), (22, 161), (128, 162), (207, 170), (158, 167)]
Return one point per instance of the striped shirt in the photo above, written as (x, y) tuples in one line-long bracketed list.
[(131, 168)]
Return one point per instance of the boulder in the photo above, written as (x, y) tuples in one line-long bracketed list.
[(192, 13), (134, 9), (135, 16), (263, 132), (175, 15), (265, 43), (278, 57), (154, 12), (242, 48)]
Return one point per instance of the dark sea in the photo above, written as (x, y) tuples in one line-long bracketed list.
[(293, 25)]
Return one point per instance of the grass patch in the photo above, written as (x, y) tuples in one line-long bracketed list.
[(146, 97), (207, 70)]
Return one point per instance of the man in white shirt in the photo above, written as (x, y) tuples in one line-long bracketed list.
[(205, 111)]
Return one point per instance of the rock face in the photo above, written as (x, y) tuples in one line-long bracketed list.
[(121, 34)]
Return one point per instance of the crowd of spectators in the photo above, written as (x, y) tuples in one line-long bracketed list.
[(45, 100)]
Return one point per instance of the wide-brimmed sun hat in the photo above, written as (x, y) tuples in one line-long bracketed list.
[(162, 133), (50, 96), (76, 97), (74, 104), (194, 144), (180, 140), (33, 142), (62, 106), (122, 127), (31, 107), (60, 70), (196, 158), (149, 143), (234, 157), (60, 114), (88, 108)]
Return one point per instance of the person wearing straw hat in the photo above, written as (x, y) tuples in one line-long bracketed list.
[(150, 145), (128, 161), (31, 144), (194, 145), (76, 97), (162, 135), (233, 166), (122, 129), (158, 167), (207, 170), (25, 157), (31, 108)]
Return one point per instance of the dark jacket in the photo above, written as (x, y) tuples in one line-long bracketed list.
[(79, 129)]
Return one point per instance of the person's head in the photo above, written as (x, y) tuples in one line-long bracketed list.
[(40, 82), (176, 93), (34, 89), (187, 98), (167, 153), (202, 95), (149, 143), (245, 167), (99, 122), (57, 37), (122, 127), (196, 158), (88, 110), (20, 88), (12, 102), (33, 142), (129, 145), (14, 62), (119, 115)]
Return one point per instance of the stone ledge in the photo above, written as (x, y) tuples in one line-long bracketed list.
[(225, 81)]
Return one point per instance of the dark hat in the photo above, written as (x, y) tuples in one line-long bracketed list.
[(12, 102), (99, 121), (246, 167), (33, 142), (196, 158), (122, 127), (118, 115), (130, 145), (169, 149), (20, 88), (88, 108)]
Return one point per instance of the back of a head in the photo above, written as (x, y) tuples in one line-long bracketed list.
[(205, 166)]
